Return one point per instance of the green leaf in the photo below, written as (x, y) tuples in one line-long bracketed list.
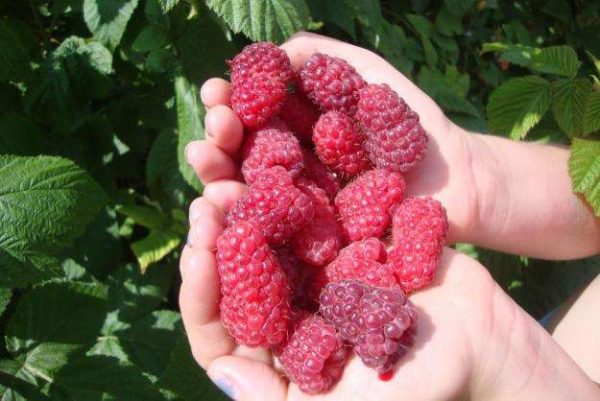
[(148, 217), (425, 30), (45, 202), (158, 244), (152, 37), (19, 135), (518, 105), (569, 102), (334, 12), (107, 19), (368, 13), (5, 296), (592, 113), (260, 20), (17, 383), (584, 168), (448, 23), (167, 5), (17, 46)]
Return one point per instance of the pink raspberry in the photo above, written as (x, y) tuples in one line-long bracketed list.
[(300, 115), (255, 299), (419, 229), (258, 59), (299, 277), (365, 205), (395, 139), (331, 83), (316, 171), (339, 143), (319, 241), (272, 145), (377, 321), (314, 356), (275, 205)]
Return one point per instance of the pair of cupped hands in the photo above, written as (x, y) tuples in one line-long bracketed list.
[(472, 342)]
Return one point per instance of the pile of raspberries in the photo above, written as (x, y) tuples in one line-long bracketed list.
[(306, 262)]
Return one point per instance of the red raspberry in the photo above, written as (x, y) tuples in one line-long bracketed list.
[(260, 58), (331, 83), (255, 299), (275, 205), (365, 205), (375, 320), (363, 261), (300, 115), (395, 139), (316, 171), (272, 145), (299, 277), (339, 143), (314, 356), (320, 240), (419, 229)]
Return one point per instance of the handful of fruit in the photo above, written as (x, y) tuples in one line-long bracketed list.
[(304, 262)]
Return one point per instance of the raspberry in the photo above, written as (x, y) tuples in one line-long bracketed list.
[(331, 83), (275, 205), (339, 143), (375, 320), (319, 241), (316, 171), (314, 356), (300, 115), (255, 299), (419, 230), (365, 205), (362, 261), (395, 139), (260, 58), (272, 145), (299, 277)]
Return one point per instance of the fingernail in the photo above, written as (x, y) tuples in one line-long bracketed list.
[(188, 240), (186, 152), (226, 386)]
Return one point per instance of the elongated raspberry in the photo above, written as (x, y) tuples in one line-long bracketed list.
[(419, 229), (255, 299), (375, 320), (339, 144), (300, 277), (319, 241), (365, 206), (316, 171), (395, 139), (300, 115), (362, 261), (275, 205), (331, 83), (272, 145), (314, 356), (260, 58)]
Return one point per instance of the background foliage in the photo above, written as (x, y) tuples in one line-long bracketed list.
[(99, 97)]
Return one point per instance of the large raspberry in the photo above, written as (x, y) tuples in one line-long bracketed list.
[(300, 277), (395, 139), (300, 115), (362, 261), (275, 205), (255, 299), (419, 229), (319, 241), (272, 145), (316, 171), (314, 356), (260, 58), (331, 83), (365, 206), (375, 320), (339, 143)]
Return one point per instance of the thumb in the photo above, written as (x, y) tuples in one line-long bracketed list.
[(247, 380)]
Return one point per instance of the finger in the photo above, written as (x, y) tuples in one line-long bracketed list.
[(206, 224), (247, 380), (198, 301), (209, 162), (224, 193), (224, 129), (215, 91)]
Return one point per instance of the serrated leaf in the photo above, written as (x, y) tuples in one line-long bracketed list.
[(152, 37), (17, 45), (569, 102), (158, 244), (5, 296), (518, 105), (19, 135), (592, 114), (107, 19), (584, 168), (167, 5), (260, 20), (45, 202), (17, 383)]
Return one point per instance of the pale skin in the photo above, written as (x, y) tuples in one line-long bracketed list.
[(473, 342)]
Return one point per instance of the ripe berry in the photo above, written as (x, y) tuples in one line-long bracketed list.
[(339, 143), (365, 205), (395, 139), (255, 299), (299, 277), (419, 229), (375, 320), (331, 83), (275, 205), (300, 115), (317, 172), (260, 58)]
